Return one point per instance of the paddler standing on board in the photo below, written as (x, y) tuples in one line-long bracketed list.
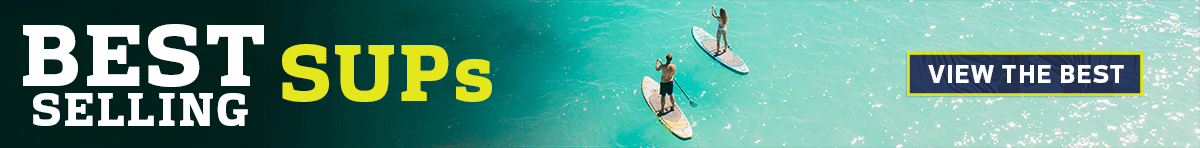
[(723, 19), (667, 83)]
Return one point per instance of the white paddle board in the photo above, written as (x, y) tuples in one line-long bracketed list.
[(709, 44)]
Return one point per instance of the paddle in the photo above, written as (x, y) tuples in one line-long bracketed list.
[(684, 93)]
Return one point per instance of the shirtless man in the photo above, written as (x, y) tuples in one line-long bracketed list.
[(668, 82), (721, 31)]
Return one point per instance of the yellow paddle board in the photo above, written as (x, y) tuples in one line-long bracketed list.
[(674, 120)]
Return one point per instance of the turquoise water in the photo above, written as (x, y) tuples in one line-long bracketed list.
[(823, 73), (568, 73), (832, 74)]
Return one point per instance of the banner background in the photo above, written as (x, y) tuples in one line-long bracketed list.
[(566, 73)]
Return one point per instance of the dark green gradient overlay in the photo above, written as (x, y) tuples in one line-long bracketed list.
[(508, 34)]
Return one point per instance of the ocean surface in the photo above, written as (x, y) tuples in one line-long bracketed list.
[(823, 73), (568, 73)]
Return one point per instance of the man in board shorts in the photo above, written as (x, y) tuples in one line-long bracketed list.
[(668, 82)]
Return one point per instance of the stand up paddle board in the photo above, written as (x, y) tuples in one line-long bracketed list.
[(675, 121), (709, 44)]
